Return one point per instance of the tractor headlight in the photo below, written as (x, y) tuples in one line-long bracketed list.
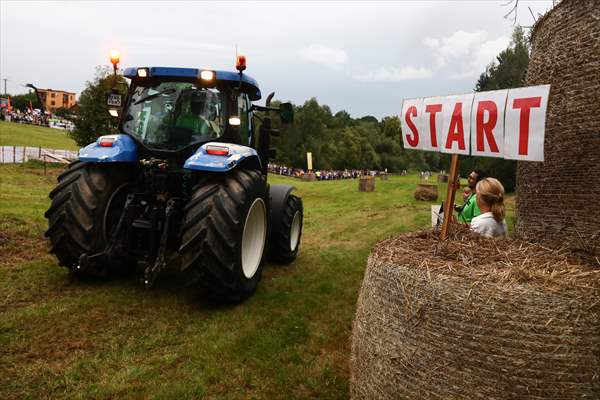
[(207, 75)]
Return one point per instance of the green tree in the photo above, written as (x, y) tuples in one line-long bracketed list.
[(21, 101), (508, 71), (93, 119), (63, 112)]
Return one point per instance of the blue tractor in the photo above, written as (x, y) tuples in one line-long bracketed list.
[(183, 186)]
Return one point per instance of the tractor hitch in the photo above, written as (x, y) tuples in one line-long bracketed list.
[(160, 262)]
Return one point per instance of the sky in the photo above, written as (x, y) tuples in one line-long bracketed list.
[(362, 57)]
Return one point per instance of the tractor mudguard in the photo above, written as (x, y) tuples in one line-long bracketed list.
[(278, 196), (203, 161), (110, 148)]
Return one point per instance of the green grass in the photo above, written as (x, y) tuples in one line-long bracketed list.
[(62, 338), (13, 134)]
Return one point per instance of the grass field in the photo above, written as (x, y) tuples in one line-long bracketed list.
[(62, 338), (13, 134)]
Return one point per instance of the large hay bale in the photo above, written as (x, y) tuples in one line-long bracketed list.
[(558, 199), (476, 318), (442, 178), (366, 184), (426, 192), (309, 177)]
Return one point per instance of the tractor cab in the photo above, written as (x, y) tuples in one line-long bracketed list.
[(175, 108)]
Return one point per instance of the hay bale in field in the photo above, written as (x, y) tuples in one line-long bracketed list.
[(426, 192), (309, 177), (476, 318), (384, 176), (366, 184), (442, 178), (558, 199)]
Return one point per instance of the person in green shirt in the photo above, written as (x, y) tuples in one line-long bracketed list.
[(197, 114), (471, 210)]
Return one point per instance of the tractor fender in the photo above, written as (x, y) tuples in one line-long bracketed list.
[(123, 149), (202, 161), (278, 197)]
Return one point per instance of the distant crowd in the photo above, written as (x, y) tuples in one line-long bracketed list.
[(36, 117), (322, 175)]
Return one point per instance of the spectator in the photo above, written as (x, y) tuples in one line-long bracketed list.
[(471, 209), (490, 199)]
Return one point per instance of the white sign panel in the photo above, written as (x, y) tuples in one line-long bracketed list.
[(411, 120), (487, 123), (456, 128), (501, 123), (432, 122), (526, 123)]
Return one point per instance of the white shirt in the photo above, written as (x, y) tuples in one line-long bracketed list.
[(486, 225)]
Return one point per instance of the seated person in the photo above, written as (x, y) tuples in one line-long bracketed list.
[(197, 115), (470, 209), (466, 194), (490, 199)]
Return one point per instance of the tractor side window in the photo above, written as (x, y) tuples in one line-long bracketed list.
[(245, 120)]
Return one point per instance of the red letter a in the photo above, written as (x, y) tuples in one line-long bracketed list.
[(456, 131)]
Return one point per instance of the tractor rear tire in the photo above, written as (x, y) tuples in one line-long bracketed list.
[(285, 239), (224, 234), (79, 220)]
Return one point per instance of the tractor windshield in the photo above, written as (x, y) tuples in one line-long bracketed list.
[(173, 115)]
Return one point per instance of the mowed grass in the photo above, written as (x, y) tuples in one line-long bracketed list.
[(14, 134), (63, 338)]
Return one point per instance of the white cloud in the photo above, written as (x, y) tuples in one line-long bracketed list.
[(461, 43), (465, 54), (431, 42), (395, 74), (458, 56), (323, 55)]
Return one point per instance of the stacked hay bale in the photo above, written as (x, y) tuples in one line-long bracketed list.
[(558, 199), (426, 192), (309, 177), (474, 318), (366, 184)]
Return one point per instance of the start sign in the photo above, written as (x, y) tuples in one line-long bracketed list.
[(501, 123)]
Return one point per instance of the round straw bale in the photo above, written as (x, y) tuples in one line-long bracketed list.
[(309, 177), (442, 178), (476, 318), (366, 184), (426, 192), (558, 199)]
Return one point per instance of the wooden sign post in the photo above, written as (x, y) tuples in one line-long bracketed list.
[(449, 203)]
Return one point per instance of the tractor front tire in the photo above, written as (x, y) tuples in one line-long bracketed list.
[(79, 218), (284, 240), (224, 234)]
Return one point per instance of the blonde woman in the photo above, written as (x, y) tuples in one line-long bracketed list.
[(490, 199)]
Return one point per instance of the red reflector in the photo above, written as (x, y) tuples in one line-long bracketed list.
[(217, 150), (106, 142)]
